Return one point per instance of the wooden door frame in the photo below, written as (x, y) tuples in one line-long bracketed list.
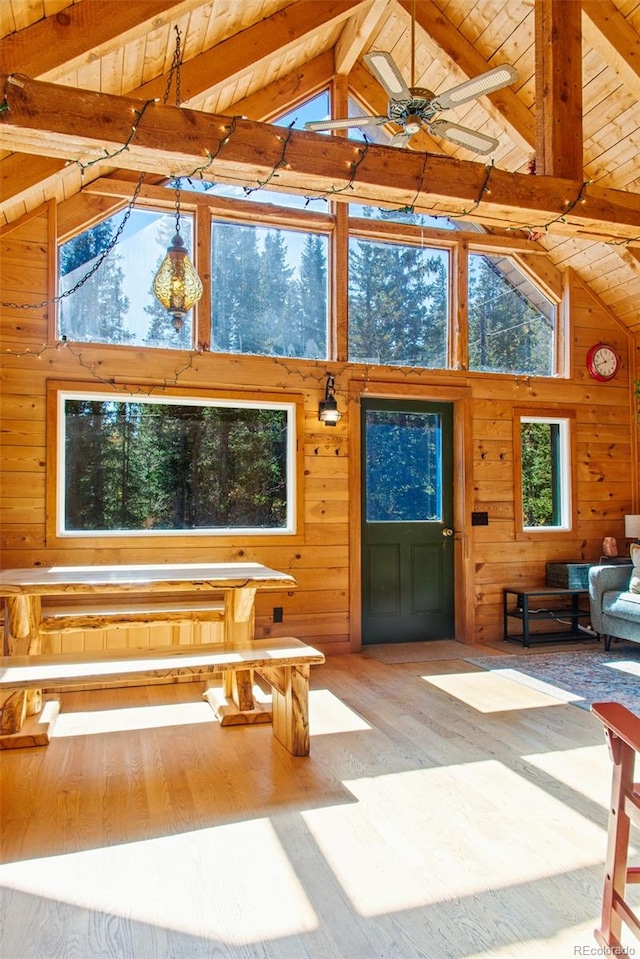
[(464, 584)]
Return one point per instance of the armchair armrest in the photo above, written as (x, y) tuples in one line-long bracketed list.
[(601, 580)]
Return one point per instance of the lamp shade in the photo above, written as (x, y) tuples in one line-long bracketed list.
[(632, 526), (176, 284)]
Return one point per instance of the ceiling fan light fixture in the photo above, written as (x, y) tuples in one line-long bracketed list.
[(412, 124)]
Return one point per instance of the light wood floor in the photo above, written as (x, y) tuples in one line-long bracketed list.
[(444, 812)]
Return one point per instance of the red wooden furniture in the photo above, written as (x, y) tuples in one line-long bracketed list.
[(622, 732)]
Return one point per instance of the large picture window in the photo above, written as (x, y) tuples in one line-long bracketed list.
[(162, 466)]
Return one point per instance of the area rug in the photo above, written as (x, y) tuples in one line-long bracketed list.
[(580, 677)]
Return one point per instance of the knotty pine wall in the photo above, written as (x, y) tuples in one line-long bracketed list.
[(324, 555)]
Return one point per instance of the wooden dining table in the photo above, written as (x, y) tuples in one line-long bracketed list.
[(24, 589)]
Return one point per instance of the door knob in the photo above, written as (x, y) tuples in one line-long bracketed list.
[(447, 531)]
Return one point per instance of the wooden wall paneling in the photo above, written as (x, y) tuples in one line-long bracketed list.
[(325, 558)]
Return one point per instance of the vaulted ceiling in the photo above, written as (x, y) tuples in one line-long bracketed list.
[(568, 128)]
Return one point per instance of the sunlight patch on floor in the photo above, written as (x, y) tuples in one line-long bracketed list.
[(94, 722), (574, 768), (328, 714), (472, 808), (497, 690), (191, 882), (625, 666)]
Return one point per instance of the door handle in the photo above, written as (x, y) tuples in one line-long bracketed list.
[(447, 531)]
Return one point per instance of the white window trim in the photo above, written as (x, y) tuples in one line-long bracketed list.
[(174, 400), (564, 469)]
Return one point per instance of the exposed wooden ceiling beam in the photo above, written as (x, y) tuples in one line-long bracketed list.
[(558, 37), (79, 34), (615, 39), (246, 50), (448, 44), (355, 35), (46, 119)]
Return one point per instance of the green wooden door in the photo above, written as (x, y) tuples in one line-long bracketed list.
[(407, 536)]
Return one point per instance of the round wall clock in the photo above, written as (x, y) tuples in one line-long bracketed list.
[(602, 362)]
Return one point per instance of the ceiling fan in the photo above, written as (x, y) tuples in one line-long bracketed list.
[(415, 107)]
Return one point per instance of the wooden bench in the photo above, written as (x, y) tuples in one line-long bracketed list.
[(129, 615), (283, 662), (622, 732)]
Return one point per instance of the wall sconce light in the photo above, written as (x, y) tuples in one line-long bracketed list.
[(632, 526), (328, 412)]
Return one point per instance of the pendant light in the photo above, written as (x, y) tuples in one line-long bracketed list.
[(176, 284)]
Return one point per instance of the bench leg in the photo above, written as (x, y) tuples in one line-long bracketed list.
[(290, 703), (234, 704), (22, 614)]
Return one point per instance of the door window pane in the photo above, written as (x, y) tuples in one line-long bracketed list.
[(403, 467)]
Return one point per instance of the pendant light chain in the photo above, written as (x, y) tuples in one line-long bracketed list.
[(174, 71)]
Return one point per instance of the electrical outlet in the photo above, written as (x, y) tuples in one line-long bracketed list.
[(278, 614)]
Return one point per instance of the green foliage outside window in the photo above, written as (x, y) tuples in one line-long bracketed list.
[(511, 323), (117, 303), (398, 304), (540, 505), (150, 466), (269, 291)]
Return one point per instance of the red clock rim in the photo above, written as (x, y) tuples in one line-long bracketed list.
[(603, 378)]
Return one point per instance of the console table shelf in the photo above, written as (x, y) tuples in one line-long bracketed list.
[(551, 604)]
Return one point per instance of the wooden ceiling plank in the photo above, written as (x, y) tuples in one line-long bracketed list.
[(288, 91), (355, 35), (615, 39), (253, 46), (558, 38), (82, 33), (20, 173), (174, 140), (503, 105)]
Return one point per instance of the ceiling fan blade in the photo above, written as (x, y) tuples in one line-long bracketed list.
[(345, 123), (400, 140), (486, 83), (384, 67), (471, 139)]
